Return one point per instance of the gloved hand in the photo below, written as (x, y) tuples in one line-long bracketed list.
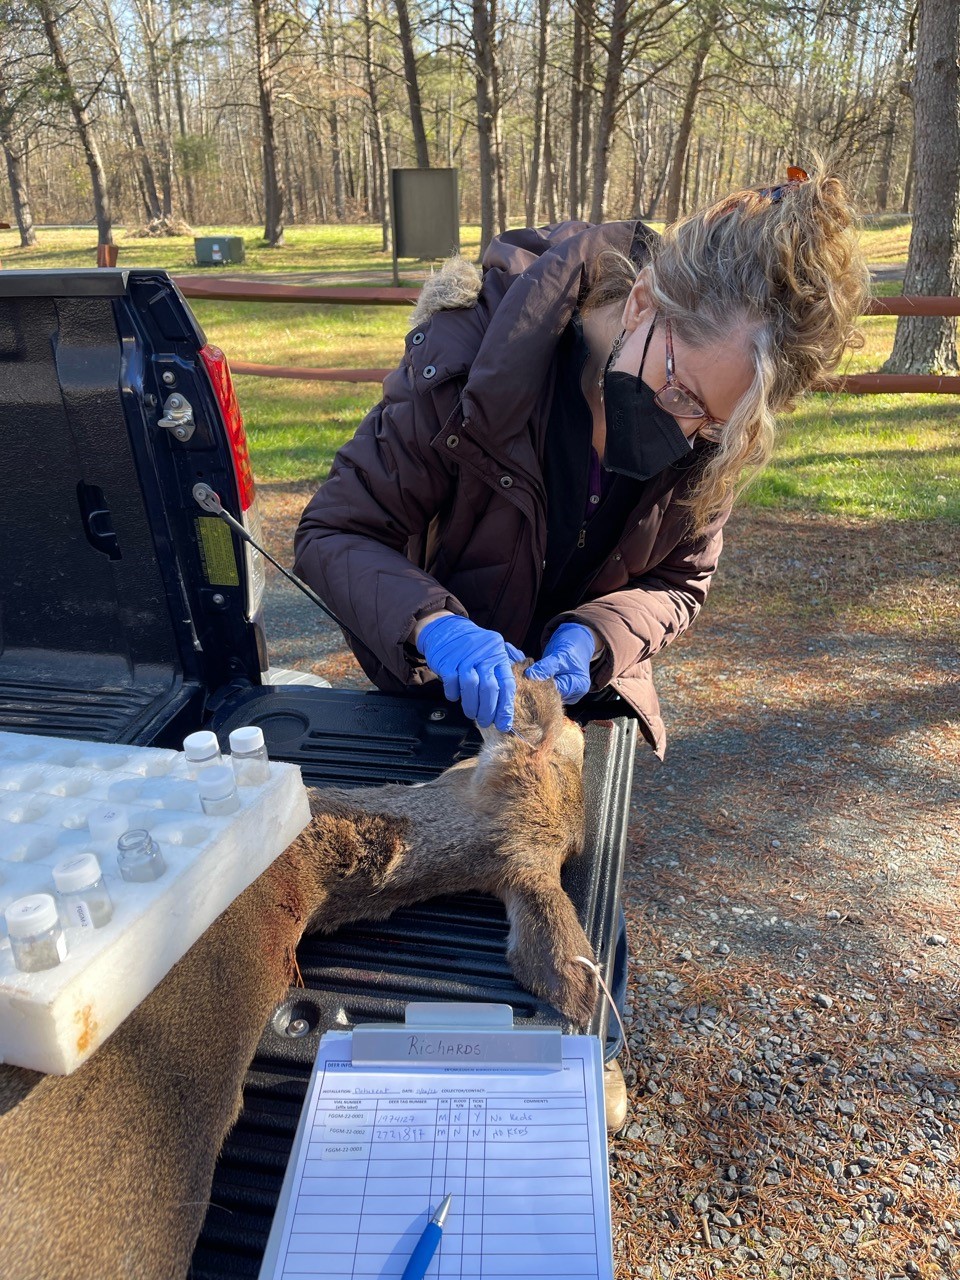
[(474, 666), (567, 659)]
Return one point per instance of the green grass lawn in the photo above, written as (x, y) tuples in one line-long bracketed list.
[(332, 247), (895, 457), (872, 456)]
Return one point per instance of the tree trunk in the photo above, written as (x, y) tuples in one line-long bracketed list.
[(189, 186), (576, 110), (608, 108), (88, 140), (376, 126), (412, 81), (927, 344), (156, 60), (890, 132), (585, 150), (273, 193), (694, 85), (18, 184), (551, 179), (492, 212), (907, 204), (496, 98), (13, 153), (144, 163)]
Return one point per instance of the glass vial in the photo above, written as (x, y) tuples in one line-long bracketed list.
[(85, 901), (218, 791), (139, 857), (36, 938), (202, 751), (248, 755)]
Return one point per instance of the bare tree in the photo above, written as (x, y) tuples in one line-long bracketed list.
[(928, 344), (376, 123), (637, 37), (412, 82), (144, 162), (535, 187), (711, 20), (79, 108), (13, 152), (493, 214), (273, 193)]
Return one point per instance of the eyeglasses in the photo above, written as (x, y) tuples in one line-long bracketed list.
[(680, 401)]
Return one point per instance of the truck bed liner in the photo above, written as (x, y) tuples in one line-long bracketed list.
[(449, 948)]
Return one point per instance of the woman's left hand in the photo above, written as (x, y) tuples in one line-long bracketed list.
[(566, 659)]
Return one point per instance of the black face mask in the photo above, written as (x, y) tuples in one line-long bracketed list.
[(642, 438)]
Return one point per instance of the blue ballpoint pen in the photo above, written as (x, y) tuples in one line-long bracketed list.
[(416, 1268)]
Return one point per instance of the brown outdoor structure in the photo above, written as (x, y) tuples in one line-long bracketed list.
[(861, 384), (262, 291)]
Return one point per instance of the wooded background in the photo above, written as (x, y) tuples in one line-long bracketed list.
[(292, 111)]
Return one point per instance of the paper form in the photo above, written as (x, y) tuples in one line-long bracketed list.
[(522, 1152)]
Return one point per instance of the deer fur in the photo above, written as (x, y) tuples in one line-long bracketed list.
[(105, 1174)]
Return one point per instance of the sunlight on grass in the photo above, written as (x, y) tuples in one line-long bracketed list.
[(285, 334), (331, 247), (892, 456), (887, 240)]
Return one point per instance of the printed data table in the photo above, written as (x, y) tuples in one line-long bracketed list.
[(517, 1151)]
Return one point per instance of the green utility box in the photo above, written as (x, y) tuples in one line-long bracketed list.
[(218, 251)]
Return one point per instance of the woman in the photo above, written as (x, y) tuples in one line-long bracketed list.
[(552, 464)]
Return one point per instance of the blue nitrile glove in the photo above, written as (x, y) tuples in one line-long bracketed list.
[(474, 666), (567, 659)]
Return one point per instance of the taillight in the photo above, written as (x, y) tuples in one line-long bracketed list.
[(216, 365)]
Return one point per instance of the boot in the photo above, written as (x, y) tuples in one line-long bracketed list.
[(614, 1095)]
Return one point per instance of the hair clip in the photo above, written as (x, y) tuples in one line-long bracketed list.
[(795, 176)]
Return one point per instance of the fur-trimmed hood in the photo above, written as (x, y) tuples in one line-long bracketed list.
[(457, 284)]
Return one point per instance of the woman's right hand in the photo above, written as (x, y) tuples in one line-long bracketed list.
[(475, 667)]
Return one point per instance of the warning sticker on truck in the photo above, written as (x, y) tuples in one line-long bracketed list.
[(216, 552)]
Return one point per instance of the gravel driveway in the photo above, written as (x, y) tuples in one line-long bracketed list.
[(792, 902)]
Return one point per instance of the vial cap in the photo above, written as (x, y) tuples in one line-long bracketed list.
[(76, 872), (107, 824), (36, 913), (201, 746), (247, 739), (216, 783)]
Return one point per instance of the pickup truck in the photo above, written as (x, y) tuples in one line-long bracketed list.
[(129, 614)]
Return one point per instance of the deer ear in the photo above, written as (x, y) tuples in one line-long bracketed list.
[(569, 743)]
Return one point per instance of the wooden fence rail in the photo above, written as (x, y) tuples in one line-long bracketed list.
[(209, 289)]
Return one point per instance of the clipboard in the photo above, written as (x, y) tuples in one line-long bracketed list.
[(509, 1121)]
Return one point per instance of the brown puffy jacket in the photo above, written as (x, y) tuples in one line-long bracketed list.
[(438, 500)]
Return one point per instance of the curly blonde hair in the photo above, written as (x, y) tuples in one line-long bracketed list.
[(785, 265)]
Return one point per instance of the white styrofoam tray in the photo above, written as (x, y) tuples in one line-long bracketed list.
[(51, 1021)]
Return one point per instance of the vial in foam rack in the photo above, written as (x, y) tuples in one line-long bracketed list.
[(248, 755), (139, 857), (36, 938), (201, 751), (218, 791), (85, 901)]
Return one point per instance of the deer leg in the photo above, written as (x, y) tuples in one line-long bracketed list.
[(545, 937)]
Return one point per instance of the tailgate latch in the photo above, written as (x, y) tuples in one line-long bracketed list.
[(178, 417)]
